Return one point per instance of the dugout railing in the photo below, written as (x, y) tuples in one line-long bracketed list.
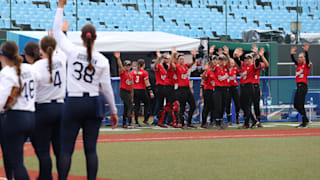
[(276, 100)]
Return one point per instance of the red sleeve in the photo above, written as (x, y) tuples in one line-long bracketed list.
[(145, 75)]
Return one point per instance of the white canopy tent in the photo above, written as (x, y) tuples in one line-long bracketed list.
[(118, 41)]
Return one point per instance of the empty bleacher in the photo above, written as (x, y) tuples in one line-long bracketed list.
[(192, 18)]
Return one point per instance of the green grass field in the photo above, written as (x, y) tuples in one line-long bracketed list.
[(286, 158)]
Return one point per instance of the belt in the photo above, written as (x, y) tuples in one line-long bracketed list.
[(82, 94), (52, 101)]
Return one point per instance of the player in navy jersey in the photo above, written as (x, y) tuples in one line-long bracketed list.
[(51, 91), (87, 70), (17, 99), (303, 68)]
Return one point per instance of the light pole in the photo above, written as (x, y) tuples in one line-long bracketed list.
[(76, 15), (152, 15), (297, 40), (226, 9)]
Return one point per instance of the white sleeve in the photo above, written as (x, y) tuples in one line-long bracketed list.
[(107, 90), (5, 88), (63, 42)]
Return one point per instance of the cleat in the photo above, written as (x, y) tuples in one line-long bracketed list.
[(162, 125), (302, 126), (124, 126), (259, 125), (192, 126), (210, 125), (137, 125), (223, 125), (203, 126), (229, 123), (243, 127), (185, 127), (146, 123)]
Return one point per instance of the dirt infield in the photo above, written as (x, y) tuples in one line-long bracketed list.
[(174, 136)]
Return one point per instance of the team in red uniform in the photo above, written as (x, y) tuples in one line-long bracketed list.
[(126, 89), (303, 68), (233, 92), (256, 83), (141, 87), (207, 91), (184, 92)]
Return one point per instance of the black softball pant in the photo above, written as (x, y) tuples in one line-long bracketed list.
[(17, 126), (208, 105), (47, 130), (140, 95), (185, 96), (233, 93), (246, 95), (299, 100), (219, 102), (164, 92), (125, 95), (256, 100), (79, 112)]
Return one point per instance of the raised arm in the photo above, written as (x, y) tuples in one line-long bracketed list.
[(292, 53), (117, 55), (226, 53), (265, 61), (173, 55), (193, 53), (157, 60), (211, 50), (306, 49), (63, 42), (238, 52)]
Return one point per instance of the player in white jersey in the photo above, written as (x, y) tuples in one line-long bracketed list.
[(51, 91), (86, 69), (18, 120)]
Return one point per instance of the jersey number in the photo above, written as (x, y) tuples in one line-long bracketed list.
[(84, 73), (28, 90), (57, 80), (137, 79)]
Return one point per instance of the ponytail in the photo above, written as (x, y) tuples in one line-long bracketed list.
[(48, 45), (89, 42), (50, 53), (88, 36), (17, 59), (140, 64)]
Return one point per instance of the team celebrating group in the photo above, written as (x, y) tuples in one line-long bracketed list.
[(49, 100)]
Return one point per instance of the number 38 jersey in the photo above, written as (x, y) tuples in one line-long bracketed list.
[(47, 91), (9, 79), (79, 78)]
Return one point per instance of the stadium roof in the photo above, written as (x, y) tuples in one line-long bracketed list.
[(118, 41)]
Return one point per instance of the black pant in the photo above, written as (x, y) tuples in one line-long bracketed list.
[(246, 95), (127, 105), (299, 100), (233, 93), (185, 96), (140, 95), (47, 131), (164, 92), (79, 112), (17, 126), (208, 105), (256, 100), (219, 102)]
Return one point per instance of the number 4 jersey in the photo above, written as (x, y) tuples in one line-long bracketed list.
[(55, 90), (9, 79)]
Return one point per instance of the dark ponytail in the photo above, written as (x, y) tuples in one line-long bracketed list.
[(140, 64), (32, 49), (10, 49), (17, 59), (88, 36), (48, 45)]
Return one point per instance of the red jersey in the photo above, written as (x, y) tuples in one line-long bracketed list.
[(126, 80), (182, 74), (161, 75), (233, 72), (170, 76), (209, 80), (221, 75), (256, 73), (138, 79), (302, 72), (246, 74)]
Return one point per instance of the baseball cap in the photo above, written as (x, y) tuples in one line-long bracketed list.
[(249, 55), (223, 57), (127, 63)]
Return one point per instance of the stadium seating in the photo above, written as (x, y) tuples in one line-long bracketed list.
[(192, 18)]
